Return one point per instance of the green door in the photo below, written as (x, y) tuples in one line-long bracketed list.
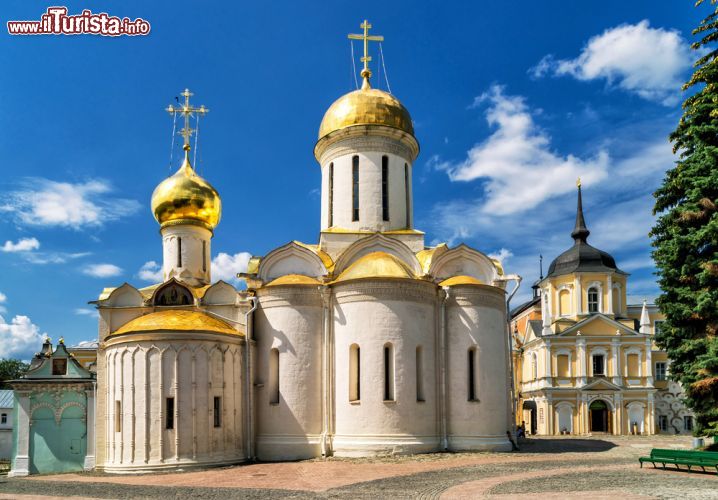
[(57, 448)]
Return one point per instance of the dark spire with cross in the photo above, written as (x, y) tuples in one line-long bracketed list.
[(580, 231)]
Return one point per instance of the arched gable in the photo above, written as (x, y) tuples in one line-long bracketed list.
[(124, 296), (173, 293), (377, 243), (466, 261), (220, 293), (291, 258)]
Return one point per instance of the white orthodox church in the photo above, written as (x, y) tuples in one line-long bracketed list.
[(367, 342)]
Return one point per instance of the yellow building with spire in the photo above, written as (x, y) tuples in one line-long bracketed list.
[(585, 360)]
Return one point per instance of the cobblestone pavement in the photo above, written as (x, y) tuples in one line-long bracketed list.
[(596, 468)]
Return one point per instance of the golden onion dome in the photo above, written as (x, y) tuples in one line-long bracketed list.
[(186, 198), (366, 106)]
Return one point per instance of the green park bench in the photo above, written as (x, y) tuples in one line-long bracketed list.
[(689, 458)]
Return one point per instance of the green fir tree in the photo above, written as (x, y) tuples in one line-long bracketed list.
[(685, 237)]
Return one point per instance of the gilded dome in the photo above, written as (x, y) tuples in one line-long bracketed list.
[(179, 321), (186, 198), (366, 106), (376, 265)]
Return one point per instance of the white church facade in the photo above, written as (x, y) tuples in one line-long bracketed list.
[(366, 342)]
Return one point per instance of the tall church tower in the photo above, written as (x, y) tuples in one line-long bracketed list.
[(188, 209), (366, 149)]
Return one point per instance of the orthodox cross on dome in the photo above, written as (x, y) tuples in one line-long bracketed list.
[(186, 110), (366, 72)]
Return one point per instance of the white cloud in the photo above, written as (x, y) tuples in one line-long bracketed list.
[(102, 270), (22, 245), (42, 258), (150, 271), (3, 298), (517, 163), (225, 267), (502, 255), (649, 62), (20, 338), (44, 202), (86, 311)]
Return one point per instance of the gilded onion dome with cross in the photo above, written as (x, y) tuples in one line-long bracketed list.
[(185, 197), (366, 106)]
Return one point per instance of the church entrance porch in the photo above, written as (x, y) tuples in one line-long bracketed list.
[(599, 417), (529, 417)]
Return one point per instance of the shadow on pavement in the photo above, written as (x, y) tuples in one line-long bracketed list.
[(564, 445)]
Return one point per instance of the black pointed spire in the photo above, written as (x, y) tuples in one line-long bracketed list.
[(580, 231)]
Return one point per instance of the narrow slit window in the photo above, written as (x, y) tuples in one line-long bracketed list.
[(274, 377), (217, 411), (3, 419), (354, 373), (355, 188), (472, 374), (385, 188), (204, 256), (408, 195), (179, 252), (118, 416), (388, 372), (170, 413), (331, 194), (420, 374)]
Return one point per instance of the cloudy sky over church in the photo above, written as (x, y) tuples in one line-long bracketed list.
[(511, 102)]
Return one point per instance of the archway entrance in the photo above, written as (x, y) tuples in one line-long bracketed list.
[(598, 417), (529, 410)]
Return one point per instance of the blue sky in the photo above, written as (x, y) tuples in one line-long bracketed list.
[(511, 102)]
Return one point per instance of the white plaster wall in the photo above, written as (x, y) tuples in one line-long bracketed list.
[(194, 270), (476, 318), (290, 320), (371, 313), (143, 373), (370, 192)]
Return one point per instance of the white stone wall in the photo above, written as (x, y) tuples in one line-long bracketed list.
[(195, 265), (289, 319), (370, 314), (142, 373), (476, 319)]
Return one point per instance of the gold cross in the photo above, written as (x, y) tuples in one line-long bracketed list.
[(186, 110), (366, 72)]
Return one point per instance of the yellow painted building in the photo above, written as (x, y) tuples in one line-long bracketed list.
[(585, 361)]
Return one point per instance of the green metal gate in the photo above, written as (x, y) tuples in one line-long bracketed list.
[(57, 447)]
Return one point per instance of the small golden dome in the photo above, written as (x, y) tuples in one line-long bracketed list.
[(376, 265), (461, 280), (186, 198), (178, 320), (366, 106), (293, 279)]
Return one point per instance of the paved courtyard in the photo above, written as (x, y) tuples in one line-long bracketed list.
[(596, 468)]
